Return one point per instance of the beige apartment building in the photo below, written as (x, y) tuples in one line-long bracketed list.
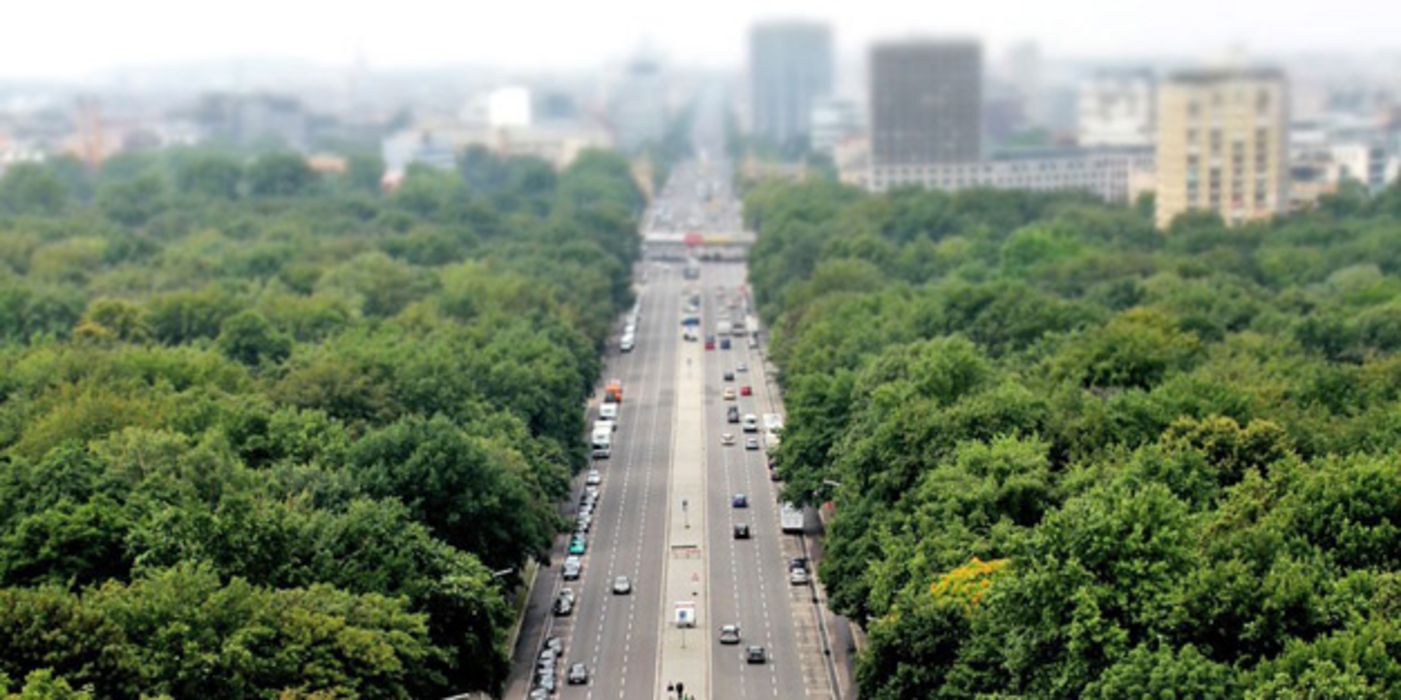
[(1222, 144)]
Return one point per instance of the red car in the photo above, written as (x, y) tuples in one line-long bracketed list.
[(710, 342), (746, 390)]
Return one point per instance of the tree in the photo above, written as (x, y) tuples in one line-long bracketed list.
[(280, 174), (249, 338), (31, 189), (210, 175), (133, 202)]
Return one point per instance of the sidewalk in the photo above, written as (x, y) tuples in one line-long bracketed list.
[(685, 656)]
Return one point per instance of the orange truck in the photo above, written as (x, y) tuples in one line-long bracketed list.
[(613, 392)]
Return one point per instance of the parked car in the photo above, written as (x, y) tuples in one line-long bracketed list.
[(564, 605), (594, 478), (578, 545), (729, 634), (571, 569), (798, 577)]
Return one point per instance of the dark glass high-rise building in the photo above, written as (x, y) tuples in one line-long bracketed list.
[(926, 101), (790, 67)]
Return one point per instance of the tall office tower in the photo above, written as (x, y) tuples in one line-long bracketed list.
[(926, 102), (790, 67), (1221, 144), (1116, 108)]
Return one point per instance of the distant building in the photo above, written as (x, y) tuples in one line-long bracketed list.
[(1115, 175), (638, 105), (833, 121), (790, 67), (926, 102), (1221, 144), (509, 107), (438, 147), (254, 120), (1117, 108)]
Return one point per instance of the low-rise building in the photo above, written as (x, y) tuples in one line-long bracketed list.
[(1114, 175)]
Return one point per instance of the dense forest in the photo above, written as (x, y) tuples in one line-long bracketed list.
[(271, 433), (1071, 456)]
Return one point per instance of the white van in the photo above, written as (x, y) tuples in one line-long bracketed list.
[(602, 443), (608, 412), (627, 343)]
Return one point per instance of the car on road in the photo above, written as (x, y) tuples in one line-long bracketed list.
[(546, 681), (622, 586), (753, 342), (740, 501), (798, 577), (710, 342), (564, 605), (727, 438), (751, 423), (724, 343), (751, 443), (728, 376), (729, 634), (741, 367), (755, 654), (594, 478), (732, 414), (741, 531), (578, 674), (728, 394), (578, 545), (746, 390)]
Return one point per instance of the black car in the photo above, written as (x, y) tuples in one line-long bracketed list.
[(729, 376), (740, 501), (741, 531), (755, 654), (798, 563), (732, 414)]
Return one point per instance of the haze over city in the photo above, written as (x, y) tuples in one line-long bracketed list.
[(78, 40), (711, 351)]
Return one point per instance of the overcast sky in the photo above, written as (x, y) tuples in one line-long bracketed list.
[(77, 38)]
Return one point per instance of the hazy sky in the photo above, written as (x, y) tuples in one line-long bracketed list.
[(75, 38)]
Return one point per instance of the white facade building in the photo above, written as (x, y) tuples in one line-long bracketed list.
[(1113, 174), (1117, 109)]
